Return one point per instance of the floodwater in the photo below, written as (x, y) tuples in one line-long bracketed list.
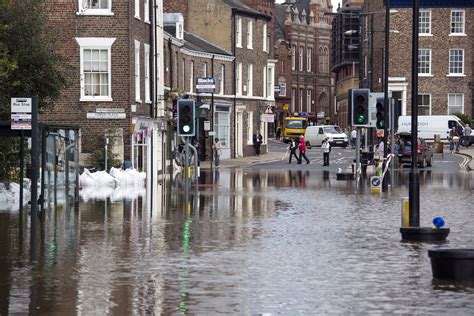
[(254, 242)]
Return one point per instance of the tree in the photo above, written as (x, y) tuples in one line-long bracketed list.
[(29, 64)]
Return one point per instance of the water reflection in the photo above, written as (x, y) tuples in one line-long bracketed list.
[(249, 241)]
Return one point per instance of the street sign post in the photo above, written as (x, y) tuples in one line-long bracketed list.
[(21, 113)]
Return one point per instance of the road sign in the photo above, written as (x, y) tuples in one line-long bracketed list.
[(269, 109), (431, 3), (21, 113), (207, 125), (268, 118), (375, 184), (277, 88)]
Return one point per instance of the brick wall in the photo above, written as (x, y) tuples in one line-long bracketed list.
[(69, 25)]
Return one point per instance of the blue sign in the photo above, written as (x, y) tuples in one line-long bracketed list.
[(431, 3)]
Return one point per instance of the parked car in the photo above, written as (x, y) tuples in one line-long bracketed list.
[(425, 152)]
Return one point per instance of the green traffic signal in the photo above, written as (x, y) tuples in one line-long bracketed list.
[(360, 119)]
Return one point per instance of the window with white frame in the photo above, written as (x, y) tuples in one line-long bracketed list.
[(300, 106), (137, 9), (249, 128), (282, 84), (455, 103), (137, 71), (203, 72), (270, 81), (183, 68), (222, 80), (264, 94), (424, 104), (424, 61), (191, 76), (265, 47), (146, 11), (456, 61), (95, 68), (424, 19), (309, 99), (309, 61), (238, 80), (238, 32), (249, 79), (293, 99), (457, 22), (95, 7), (250, 34), (179, 30), (147, 73), (301, 58)]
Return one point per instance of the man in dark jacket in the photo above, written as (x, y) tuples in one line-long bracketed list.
[(257, 142), (293, 148)]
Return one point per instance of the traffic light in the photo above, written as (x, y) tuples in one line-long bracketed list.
[(186, 118), (380, 113), (360, 107)]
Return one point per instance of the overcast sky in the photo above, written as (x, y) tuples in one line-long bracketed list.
[(334, 3)]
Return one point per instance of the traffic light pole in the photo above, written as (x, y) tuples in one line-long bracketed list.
[(358, 151), (414, 179), (386, 105)]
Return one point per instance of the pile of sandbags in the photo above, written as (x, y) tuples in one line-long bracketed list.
[(97, 179), (129, 177)]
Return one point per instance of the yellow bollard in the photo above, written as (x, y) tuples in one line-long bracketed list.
[(405, 212)]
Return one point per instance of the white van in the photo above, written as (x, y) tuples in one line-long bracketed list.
[(315, 135), (430, 125)]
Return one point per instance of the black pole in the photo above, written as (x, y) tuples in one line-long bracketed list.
[(34, 161), (22, 168), (385, 89), (212, 113), (414, 179)]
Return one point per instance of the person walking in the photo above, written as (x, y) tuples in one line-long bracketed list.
[(353, 138), (257, 142), (467, 135), (293, 150), (302, 150), (454, 140), (217, 146), (326, 151), (278, 133)]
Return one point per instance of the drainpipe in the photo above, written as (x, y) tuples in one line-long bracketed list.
[(235, 83)]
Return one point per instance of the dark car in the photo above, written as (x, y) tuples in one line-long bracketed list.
[(425, 152)]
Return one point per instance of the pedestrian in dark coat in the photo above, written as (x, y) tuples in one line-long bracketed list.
[(257, 142), (293, 148)]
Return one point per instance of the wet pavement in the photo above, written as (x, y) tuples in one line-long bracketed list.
[(250, 241)]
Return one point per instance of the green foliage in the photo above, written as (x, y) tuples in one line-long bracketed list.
[(29, 65), (98, 156), (465, 118), (10, 158)]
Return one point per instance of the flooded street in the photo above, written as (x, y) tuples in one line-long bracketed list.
[(254, 242)]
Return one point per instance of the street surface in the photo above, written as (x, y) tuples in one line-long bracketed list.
[(270, 239), (344, 157)]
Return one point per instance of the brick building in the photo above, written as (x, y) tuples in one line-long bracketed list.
[(243, 32), (110, 46), (303, 45), (346, 55), (188, 57), (445, 67)]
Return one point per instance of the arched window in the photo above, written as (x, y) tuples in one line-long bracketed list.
[(321, 63), (326, 60), (324, 103)]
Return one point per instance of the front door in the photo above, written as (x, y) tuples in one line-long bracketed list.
[(239, 136)]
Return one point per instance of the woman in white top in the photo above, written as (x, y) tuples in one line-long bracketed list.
[(327, 149), (217, 151)]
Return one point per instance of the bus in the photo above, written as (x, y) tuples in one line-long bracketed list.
[(293, 127)]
